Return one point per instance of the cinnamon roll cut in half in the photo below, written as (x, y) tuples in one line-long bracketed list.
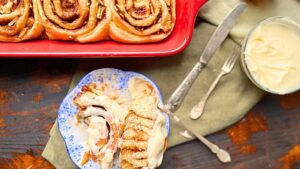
[(142, 21), (104, 117), (19, 20), (130, 128), (78, 20), (145, 133)]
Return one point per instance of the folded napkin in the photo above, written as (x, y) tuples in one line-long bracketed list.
[(231, 99)]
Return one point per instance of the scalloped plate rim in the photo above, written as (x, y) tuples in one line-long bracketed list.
[(77, 87)]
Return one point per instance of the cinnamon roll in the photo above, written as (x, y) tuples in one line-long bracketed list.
[(144, 136), (142, 21), (100, 110), (78, 20), (135, 128), (19, 20)]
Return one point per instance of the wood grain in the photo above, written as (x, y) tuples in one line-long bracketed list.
[(277, 131), (31, 91)]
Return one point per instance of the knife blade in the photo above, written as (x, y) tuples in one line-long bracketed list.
[(213, 44)]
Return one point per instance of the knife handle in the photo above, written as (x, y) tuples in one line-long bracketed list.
[(177, 97)]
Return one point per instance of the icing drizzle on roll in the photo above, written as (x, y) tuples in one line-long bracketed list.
[(79, 20), (130, 124)]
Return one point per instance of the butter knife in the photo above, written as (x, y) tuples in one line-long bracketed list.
[(177, 97), (213, 44)]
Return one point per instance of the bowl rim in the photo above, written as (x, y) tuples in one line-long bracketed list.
[(245, 65)]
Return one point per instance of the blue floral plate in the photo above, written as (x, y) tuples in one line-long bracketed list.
[(75, 137)]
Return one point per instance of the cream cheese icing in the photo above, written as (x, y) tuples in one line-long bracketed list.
[(145, 103), (272, 55), (101, 109)]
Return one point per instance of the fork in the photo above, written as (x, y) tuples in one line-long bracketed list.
[(227, 67)]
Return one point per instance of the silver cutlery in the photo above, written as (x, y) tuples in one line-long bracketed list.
[(227, 67), (213, 44), (222, 155), (177, 97)]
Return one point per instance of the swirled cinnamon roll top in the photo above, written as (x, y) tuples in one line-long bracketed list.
[(128, 21), (79, 20), (142, 21), (19, 21)]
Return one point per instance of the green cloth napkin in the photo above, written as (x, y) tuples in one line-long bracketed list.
[(229, 102)]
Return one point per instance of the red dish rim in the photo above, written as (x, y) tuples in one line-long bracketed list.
[(191, 20)]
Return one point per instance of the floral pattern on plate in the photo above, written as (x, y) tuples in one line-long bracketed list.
[(75, 140)]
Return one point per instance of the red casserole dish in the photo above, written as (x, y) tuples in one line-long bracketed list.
[(185, 18)]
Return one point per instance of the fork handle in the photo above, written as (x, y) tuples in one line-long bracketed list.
[(198, 109)]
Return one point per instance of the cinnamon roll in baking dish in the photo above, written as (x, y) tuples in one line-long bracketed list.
[(127, 21), (142, 21), (19, 20), (79, 20)]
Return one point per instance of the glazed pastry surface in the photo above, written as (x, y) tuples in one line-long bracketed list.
[(129, 127), (84, 21), (19, 20)]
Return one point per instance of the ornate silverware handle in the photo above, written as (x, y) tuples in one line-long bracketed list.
[(181, 91), (213, 44)]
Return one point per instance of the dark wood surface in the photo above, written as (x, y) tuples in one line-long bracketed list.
[(31, 91)]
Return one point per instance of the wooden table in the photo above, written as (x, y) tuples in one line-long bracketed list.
[(31, 91)]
